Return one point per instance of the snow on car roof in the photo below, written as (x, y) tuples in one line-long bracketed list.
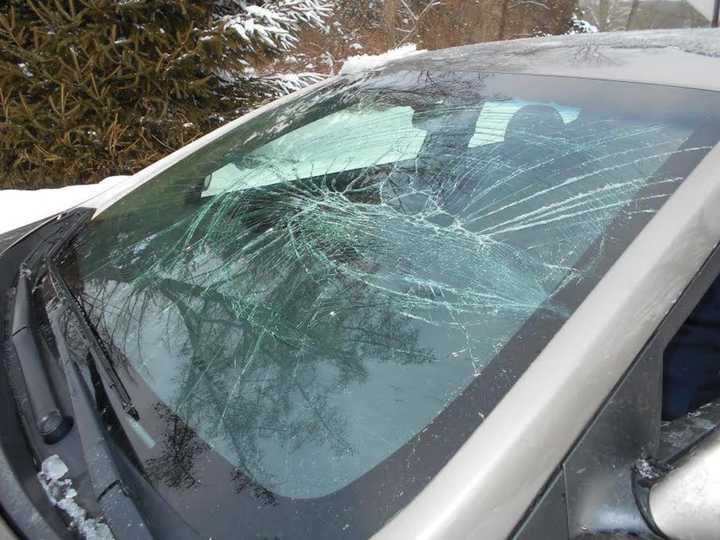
[(688, 57), (368, 62)]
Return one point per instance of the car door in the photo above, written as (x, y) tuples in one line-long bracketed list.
[(597, 492)]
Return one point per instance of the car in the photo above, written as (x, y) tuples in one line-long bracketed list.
[(445, 297)]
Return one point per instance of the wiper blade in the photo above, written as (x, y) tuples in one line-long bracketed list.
[(96, 345)]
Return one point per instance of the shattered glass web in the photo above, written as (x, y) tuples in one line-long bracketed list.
[(315, 324)]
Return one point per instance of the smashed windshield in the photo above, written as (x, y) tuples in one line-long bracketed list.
[(314, 311)]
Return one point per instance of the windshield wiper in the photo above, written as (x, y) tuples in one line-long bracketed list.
[(95, 343), (97, 348)]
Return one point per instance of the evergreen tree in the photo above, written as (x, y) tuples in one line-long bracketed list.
[(90, 88)]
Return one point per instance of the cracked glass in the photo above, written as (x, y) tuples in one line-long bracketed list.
[(316, 309)]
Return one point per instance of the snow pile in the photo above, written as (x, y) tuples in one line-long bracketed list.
[(61, 494), (367, 62), (19, 207)]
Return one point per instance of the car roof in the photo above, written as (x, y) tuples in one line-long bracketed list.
[(687, 58)]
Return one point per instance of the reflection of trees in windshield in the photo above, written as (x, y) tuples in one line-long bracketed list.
[(180, 450), (308, 329), (266, 344)]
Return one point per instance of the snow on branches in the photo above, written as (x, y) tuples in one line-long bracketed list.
[(272, 25)]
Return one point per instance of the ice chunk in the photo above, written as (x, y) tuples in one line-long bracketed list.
[(54, 468)]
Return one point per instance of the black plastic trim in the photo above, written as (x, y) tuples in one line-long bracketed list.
[(23, 504), (52, 424)]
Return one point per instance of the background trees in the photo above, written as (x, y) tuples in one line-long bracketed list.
[(430, 24), (90, 88)]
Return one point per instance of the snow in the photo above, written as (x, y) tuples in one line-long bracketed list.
[(581, 26), (647, 470), (62, 494), (367, 62), (25, 69), (291, 82), (275, 28), (19, 207)]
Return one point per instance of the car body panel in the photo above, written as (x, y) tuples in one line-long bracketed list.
[(5, 532)]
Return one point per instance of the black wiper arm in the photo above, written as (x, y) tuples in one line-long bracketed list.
[(48, 417), (97, 347)]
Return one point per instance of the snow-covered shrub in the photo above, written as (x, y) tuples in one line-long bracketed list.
[(581, 26), (90, 88)]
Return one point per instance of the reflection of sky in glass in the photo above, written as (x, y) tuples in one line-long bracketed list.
[(316, 148), (305, 152)]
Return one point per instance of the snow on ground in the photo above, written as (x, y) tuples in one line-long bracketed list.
[(62, 494), (366, 62), (19, 207)]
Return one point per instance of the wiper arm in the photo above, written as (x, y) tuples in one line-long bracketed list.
[(50, 422), (96, 345), (48, 417)]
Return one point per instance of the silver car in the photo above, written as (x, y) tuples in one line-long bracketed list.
[(464, 294)]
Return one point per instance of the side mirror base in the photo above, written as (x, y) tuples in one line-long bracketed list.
[(681, 499)]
